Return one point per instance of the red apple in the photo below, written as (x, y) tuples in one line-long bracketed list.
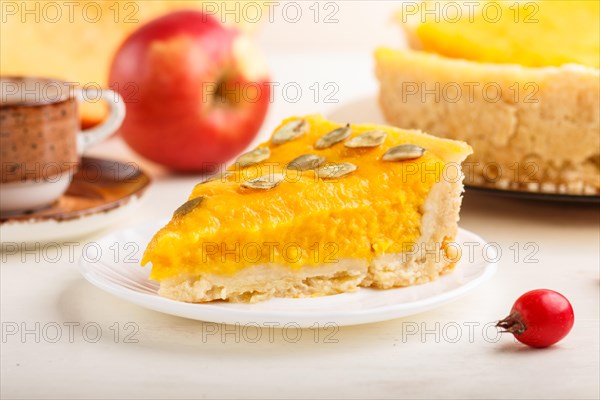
[(196, 91)]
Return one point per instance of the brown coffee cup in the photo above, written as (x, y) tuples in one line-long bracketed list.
[(40, 139)]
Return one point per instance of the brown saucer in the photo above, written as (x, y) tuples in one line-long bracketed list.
[(98, 186)]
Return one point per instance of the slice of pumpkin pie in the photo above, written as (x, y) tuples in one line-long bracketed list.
[(322, 208)]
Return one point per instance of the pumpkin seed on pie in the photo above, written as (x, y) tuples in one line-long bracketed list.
[(188, 206), (403, 152), (335, 136), (335, 171), (372, 138), (264, 182), (290, 131), (253, 157), (306, 162)]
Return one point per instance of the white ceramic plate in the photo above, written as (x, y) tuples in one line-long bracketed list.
[(112, 264)]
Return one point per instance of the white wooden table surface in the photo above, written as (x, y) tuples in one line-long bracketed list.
[(450, 352)]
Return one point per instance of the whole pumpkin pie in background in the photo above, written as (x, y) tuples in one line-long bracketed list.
[(76, 40), (320, 209), (518, 80)]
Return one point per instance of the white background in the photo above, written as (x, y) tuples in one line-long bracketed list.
[(178, 358)]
